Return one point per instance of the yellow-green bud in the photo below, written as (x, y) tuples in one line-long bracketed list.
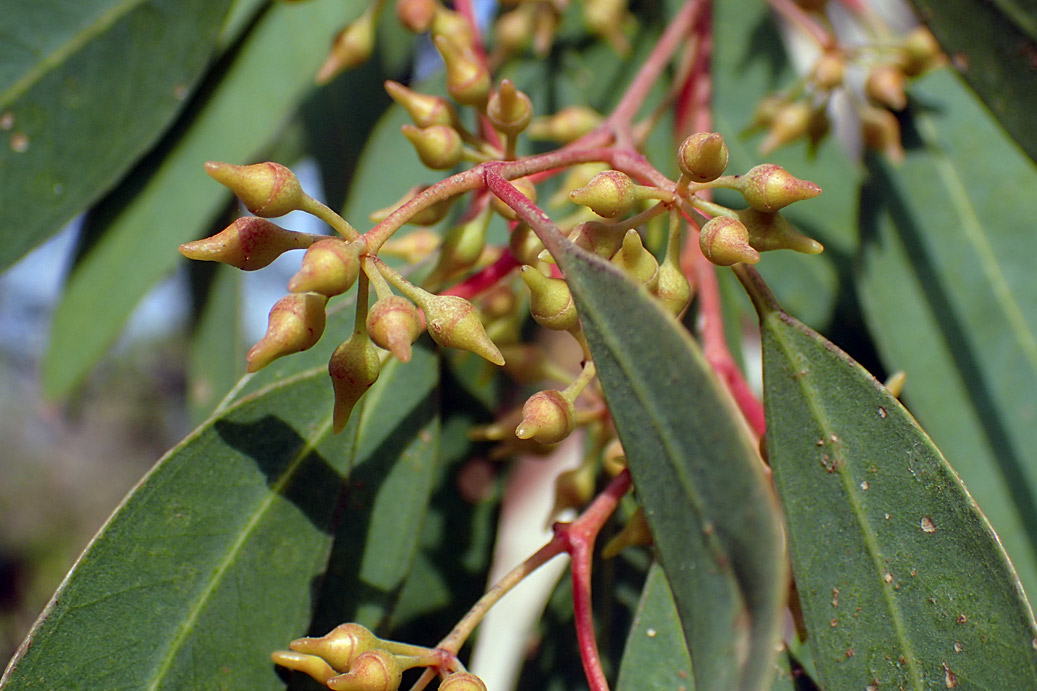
[(339, 647), (528, 190), (452, 26), (514, 30), (375, 670), (353, 368), (636, 261), (509, 109), (597, 237), (416, 15), (635, 533), (429, 216), (462, 681), (574, 488), (439, 146), (550, 303), (295, 323), (567, 125), (307, 664), (886, 85), (608, 194), (725, 241), (462, 246), (329, 267), (453, 322), (703, 156), (673, 289), (919, 52), (394, 323), (606, 18), (769, 187), (766, 110), (829, 70), (424, 110), (524, 244), (248, 243), (790, 123), (880, 131), (467, 79), (266, 189), (351, 48), (548, 417), (614, 458), (770, 231)]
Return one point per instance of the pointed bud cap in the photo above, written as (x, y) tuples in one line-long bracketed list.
[(339, 647), (453, 322), (636, 261), (880, 131), (453, 27), (394, 323), (673, 289), (467, 79), (597, 237), (528, 190), (248, 243), (351, 48), (509, 109), (266, 189), (567, 125), (614, 458), (439, 146), (919, 52), (296, 323), (790, 123), (375, 670), (769, 187), (312, 665), (548, 417), (462, 681), (524, 244), (424, 110), (886, 85), (770, 231), (353, 368), (329, 267), (416, 15), (413, 247), (703, 156), (725, 241), (608, 194), (550, 301)]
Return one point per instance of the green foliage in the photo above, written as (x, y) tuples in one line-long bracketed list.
[(908, 566)]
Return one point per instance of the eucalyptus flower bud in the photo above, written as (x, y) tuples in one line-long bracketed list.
[(725, 241), (548, 417), (608, 194), (453, 322), (439, 146), (467, 79), (452, 26), (312, 665), (769, 187), (329, 267), (703, 156), (524, 244), (249, 243), (353, 368), (523, 185), (636, 261), (429, 216), (425, 110), (770, 231), (597, 237), (886, 85), (416, 15), (509, 109), (351, 48), (550, 302), (920, 51), (790, 123), (266, 189), (462, 681), (296, 323), (673, 289), (567, 125), (829, 70), (394, 323), (462, 246), (574, 488), (635, 533), (374, 670), (340, 647)]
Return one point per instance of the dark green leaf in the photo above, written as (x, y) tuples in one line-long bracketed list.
[(993, 45), (712, 513), (656, 658), (85, 89), (946, 283), (216, 360), (227, 541), (902, 582), (168, 199)]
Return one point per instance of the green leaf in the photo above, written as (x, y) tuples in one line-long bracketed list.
[(227, 541), (903, 584), (656, 657), (946, 283), (714, 518), (993, 46), (168, 199), (85, 89), (216, 359)]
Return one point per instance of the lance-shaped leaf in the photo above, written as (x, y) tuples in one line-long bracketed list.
[(903, 584), (218, 556), (85, 88), (713, 515), (656, 656)]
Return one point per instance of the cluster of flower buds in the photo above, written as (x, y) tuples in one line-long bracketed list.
[(351, 658)]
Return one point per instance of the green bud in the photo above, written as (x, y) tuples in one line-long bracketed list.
[(574, 488), (886, 84), (725, 241), (528, 190), (770, 231), (635, 533), (329, 267), (703, 156), (296, 323), (353, 368), (462, 681), (524, 244), (673, 289), (467, 79), (439, 146), (636, 261), (548, 417), (829, 70), (340, 647), (608, 194), (249, 243), (597, 237), (452, 26), (394, 323), (880, 131), (416, 15), (351, 48), (453, 322), (919, 52), (509, 109), (374, 670), (550, 303), (567, 125), (429, 216), (769, 187), (424, 110), (791, 122), (312, 665), (266, 189), (462, 246)]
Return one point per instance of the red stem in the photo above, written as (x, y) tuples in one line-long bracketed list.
[(478, 282)]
